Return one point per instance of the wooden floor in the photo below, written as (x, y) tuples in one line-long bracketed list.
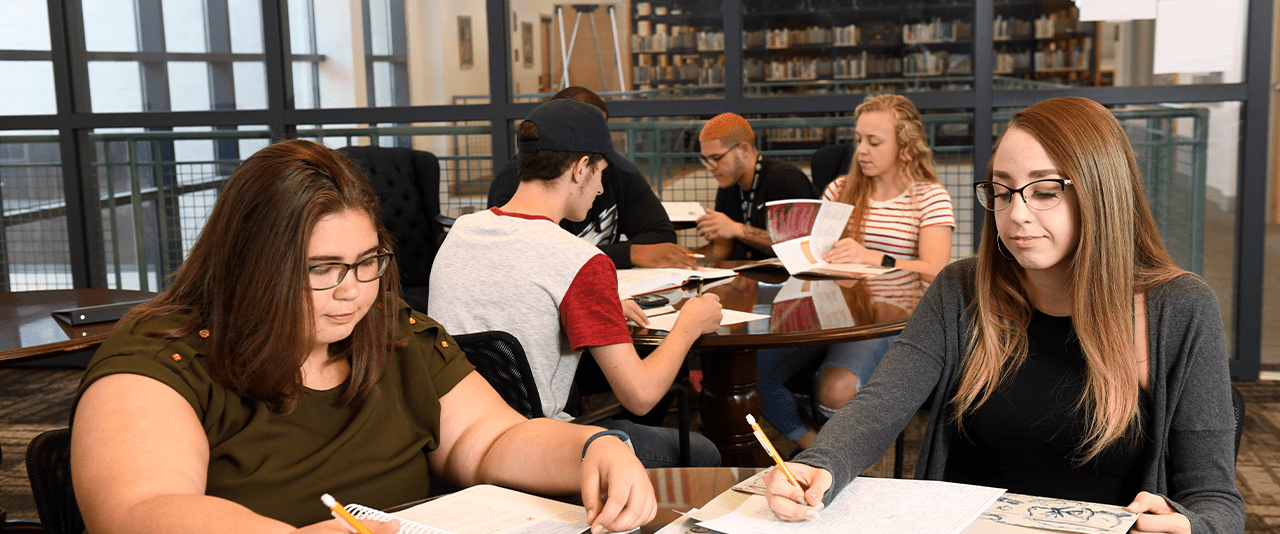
[(33, 401)]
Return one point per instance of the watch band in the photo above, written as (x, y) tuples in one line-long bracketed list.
[(616, 433)]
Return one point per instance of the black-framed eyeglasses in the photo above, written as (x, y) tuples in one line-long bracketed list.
[(1045, 194), (712, 162), (328, 275)]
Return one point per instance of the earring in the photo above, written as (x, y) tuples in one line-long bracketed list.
[(1002, 250)]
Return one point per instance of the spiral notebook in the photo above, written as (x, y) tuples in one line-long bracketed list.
[(484, 509)]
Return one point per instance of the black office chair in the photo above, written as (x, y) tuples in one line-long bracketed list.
[(16, 526), (828, 162), (1237, 406), (408, 185), (500, 359), (49, 469)]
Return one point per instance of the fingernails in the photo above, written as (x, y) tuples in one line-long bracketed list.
[(1132, 506), (811, 514), (597, 529)]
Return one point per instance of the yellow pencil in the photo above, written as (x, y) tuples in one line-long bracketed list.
[(696, 256), (773, 453), (343, 514)]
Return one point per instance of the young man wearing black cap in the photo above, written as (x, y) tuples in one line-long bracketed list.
[(626, 221), (512, 268)]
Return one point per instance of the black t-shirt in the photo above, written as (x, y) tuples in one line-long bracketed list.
[(1026, 436), (777, 180), (627, 208)]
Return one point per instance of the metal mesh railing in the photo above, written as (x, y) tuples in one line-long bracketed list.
[(155, 189)]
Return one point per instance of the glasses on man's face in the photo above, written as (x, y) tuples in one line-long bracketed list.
[(712, 162), (329, 275), (1038, 195)]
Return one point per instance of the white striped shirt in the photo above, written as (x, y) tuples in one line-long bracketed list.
[(893, 226)]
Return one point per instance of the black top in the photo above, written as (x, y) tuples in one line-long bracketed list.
[(777, 180), (1025, 437), (627, 208)]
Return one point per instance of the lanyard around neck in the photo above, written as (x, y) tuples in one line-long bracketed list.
[(748, 198)]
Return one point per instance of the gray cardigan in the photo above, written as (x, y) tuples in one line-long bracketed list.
[(1191, 460)]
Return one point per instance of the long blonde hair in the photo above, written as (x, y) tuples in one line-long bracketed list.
[(915, 158), (1119, 254)]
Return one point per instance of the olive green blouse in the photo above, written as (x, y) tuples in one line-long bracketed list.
[(278, 465)]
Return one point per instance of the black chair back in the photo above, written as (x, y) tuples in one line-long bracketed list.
[(1237, 406), (49, 469), (408, 185), (500, 359), (829, 162)]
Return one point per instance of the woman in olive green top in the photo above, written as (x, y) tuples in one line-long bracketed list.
[(280, 365)]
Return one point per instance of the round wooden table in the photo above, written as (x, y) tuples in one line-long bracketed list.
[(801, 312)]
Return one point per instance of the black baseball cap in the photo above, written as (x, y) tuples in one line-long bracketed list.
[(571, 126)]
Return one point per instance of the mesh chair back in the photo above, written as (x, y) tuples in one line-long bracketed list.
[(1237, 405), (500, 359), (49, 469)]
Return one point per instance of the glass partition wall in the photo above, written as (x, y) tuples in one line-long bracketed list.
[(125, 116)]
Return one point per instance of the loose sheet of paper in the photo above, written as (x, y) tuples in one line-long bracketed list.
[(498, 511), (1060, 514), (684, 211), (668, 321), (872, 505)]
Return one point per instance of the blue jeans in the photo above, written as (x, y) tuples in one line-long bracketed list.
[(859, 357), (773, 368), (659, 446)]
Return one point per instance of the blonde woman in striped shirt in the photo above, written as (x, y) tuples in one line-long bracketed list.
[(902, 218)]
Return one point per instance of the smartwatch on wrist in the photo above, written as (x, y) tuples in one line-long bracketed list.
[(888, 261)]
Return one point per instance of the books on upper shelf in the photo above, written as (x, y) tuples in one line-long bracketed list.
[(684, 211), (802, 230), (639, 281), (483, 509)]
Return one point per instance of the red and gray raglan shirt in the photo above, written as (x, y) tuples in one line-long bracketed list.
[(524, 275)]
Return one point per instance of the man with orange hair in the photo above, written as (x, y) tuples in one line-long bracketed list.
[(736, 228)]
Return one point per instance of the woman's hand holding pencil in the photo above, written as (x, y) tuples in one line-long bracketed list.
[(794, 491), (784, 498)]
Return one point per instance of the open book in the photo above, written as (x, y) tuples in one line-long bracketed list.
[(484, 509), (638, 281), (802, 230)]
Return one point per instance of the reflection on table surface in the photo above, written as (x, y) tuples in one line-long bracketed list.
[(28, 331), (680, 488), (802, 311)]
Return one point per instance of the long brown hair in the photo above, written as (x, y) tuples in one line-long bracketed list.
[(1119, 254), (915, 158), (246, 281)]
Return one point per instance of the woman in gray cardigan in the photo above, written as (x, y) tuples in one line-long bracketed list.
[(1070, 358)]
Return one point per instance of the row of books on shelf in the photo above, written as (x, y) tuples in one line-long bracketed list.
[(788, 37), (806, 133), (1006, 29), (705, 73), (1009, 62), (683, 38), (928, 63), (936, 31), (1057, 24), (1069, 55)]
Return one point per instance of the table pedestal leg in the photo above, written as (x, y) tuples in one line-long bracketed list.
[(728, 394)]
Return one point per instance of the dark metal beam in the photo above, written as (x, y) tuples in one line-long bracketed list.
[(1251, 195)]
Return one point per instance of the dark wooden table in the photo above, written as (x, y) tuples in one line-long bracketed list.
[(29, 332), (801, 312), (678, 489)]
